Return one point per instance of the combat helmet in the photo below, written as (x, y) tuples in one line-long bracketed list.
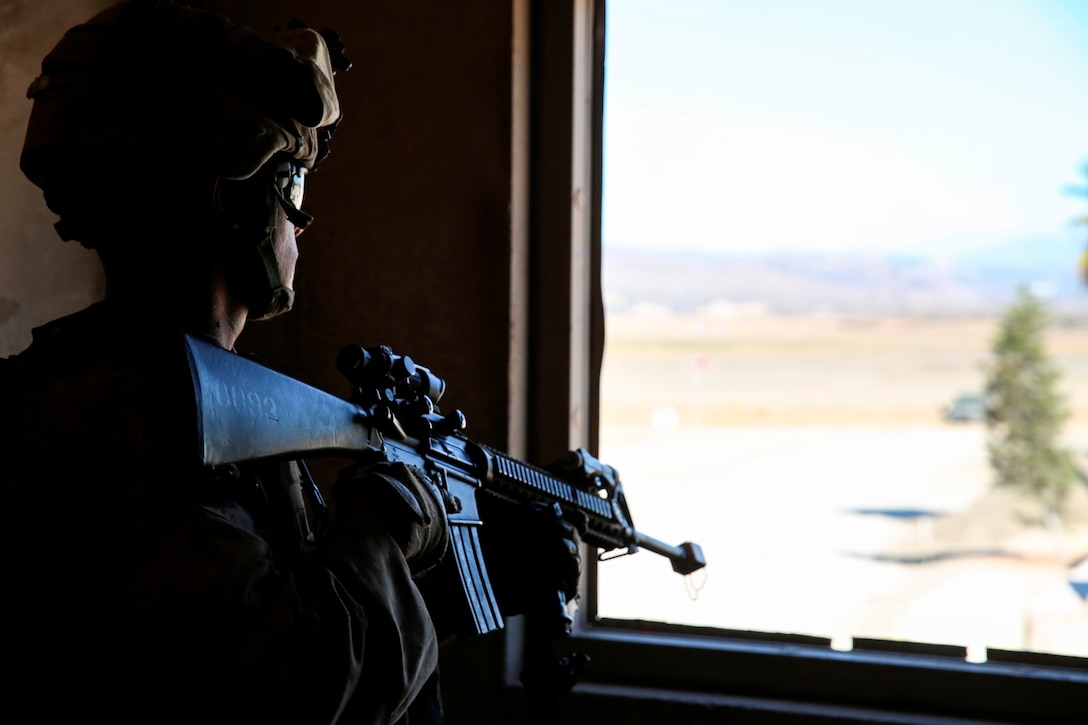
[(159, 90)]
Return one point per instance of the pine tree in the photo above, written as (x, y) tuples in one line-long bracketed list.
[(1026, 411)]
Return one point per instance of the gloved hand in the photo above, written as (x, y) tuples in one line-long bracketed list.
[(404, 501), (532, 556)]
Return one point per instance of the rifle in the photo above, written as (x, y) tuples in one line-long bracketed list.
[(247, 411)]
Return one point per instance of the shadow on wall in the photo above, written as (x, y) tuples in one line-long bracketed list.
[(41, 277)]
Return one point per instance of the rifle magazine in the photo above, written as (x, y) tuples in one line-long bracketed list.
[(483, 608)]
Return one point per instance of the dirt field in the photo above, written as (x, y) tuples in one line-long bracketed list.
[(810, 460), (821, 370)]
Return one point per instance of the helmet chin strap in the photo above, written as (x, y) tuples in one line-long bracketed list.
[(269, 296), (296, 216)]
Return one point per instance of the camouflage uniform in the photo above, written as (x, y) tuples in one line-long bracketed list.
[(139, 588)]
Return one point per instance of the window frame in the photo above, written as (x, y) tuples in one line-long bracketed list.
[(697, 667)]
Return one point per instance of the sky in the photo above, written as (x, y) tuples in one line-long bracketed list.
[(921, 127)]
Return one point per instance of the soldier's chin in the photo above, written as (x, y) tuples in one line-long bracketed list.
[(280, 300)]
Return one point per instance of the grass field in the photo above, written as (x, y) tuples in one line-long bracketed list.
[(810, 460)]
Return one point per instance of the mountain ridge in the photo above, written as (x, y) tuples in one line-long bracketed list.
[(848, 283)]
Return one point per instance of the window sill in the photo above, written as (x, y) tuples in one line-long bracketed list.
[(652, 661)]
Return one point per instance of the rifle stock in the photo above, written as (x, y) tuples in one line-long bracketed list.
[(247, 411)]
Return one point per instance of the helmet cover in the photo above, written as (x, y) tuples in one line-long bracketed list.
[(162, 85)]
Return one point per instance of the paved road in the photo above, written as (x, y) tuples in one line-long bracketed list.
[(839, 532)]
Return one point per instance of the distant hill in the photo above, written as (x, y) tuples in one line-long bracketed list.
[(850, 284)]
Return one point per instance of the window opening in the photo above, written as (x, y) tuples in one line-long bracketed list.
[(815, 218)]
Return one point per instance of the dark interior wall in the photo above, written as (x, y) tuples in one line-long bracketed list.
[(41, 277)]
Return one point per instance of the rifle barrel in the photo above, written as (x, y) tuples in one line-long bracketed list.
[(686, 558)]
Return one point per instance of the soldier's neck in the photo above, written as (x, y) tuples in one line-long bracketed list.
[(204, 308)]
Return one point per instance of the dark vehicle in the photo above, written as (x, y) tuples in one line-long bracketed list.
[(966, 408)]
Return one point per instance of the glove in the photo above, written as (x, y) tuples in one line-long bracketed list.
[(405, 502), (532, 556)]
